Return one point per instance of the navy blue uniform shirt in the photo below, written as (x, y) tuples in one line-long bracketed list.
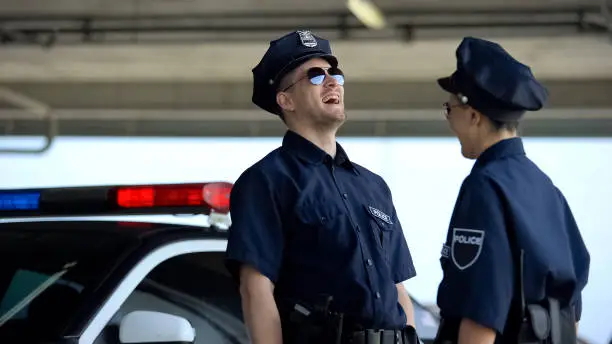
[(504, 192), (315, 225)]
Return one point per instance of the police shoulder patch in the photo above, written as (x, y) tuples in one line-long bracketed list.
[(466, 247)]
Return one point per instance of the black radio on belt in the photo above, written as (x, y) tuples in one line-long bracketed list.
[(319, 324), (313, 324), (543, 322), (534, 323)]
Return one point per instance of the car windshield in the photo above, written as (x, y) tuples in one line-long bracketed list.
[(45, 276)]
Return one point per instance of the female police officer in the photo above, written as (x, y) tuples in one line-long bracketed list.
[(308, 223), (512, 239)]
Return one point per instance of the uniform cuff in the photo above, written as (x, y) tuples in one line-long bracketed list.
[(405, 274)]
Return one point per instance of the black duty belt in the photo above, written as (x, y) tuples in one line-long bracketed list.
[(378, 337)]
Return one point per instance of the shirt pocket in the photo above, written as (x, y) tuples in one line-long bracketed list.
[(382, 227), (323, 224)]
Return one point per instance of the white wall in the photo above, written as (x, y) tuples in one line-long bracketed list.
[(424, 175)]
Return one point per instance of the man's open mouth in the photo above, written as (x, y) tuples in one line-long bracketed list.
[(331, 99)]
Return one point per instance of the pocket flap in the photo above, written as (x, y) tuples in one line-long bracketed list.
[(317, 213)]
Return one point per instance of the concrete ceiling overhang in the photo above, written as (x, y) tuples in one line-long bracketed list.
[(187, 91), (593, 122), (555, 58), (440, 19), (380, 75)]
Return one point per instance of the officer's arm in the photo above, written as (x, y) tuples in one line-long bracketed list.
[(260, 312), (582, 258), (406, 302), (402, 267), (473, 333), (478, 281), (254, 252)]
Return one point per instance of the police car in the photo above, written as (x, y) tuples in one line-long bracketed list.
[(68, 279)]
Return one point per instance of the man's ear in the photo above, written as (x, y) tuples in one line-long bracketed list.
[(283, 99)]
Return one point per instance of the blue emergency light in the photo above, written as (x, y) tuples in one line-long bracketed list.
[(19, 200), (192, 198)]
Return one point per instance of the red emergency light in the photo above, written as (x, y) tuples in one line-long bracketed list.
[(213, 195)]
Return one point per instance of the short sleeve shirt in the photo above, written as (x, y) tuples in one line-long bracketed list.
[(507, 193), (317, 225)]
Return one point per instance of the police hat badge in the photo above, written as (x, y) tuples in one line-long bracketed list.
[(307, 38)]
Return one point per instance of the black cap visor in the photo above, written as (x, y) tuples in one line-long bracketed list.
[(448, 85)]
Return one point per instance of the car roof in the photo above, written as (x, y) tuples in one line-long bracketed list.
[(139, 230)]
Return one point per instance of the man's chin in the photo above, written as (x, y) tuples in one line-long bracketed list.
[(336, 115), (340, 117)]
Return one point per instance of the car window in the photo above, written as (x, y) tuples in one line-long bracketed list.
[(24, 284), (194, 286), (45, 276)]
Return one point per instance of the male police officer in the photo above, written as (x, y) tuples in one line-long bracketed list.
[(308, 223), (514, 261)]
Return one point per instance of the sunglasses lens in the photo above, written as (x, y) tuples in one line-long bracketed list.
[(317, 75), (317, 80), (339, 79), (337, 74)]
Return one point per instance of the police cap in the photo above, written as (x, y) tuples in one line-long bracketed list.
[(283, 55), (490, 80)]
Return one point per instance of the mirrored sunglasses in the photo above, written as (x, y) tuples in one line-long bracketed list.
[(316, 76)]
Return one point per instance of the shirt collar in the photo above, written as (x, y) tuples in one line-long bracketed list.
[(309, 152), (500, 150)]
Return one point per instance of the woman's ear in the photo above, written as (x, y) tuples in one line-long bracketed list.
[(475, 117)]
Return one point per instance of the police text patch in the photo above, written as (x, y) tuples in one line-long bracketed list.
[(466, 247), (380, 215)]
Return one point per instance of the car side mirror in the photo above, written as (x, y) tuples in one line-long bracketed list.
[(155, 327)]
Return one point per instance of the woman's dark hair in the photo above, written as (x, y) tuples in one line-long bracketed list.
[(509, 125)]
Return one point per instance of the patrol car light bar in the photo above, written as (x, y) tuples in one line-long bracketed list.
[(194, 198)]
